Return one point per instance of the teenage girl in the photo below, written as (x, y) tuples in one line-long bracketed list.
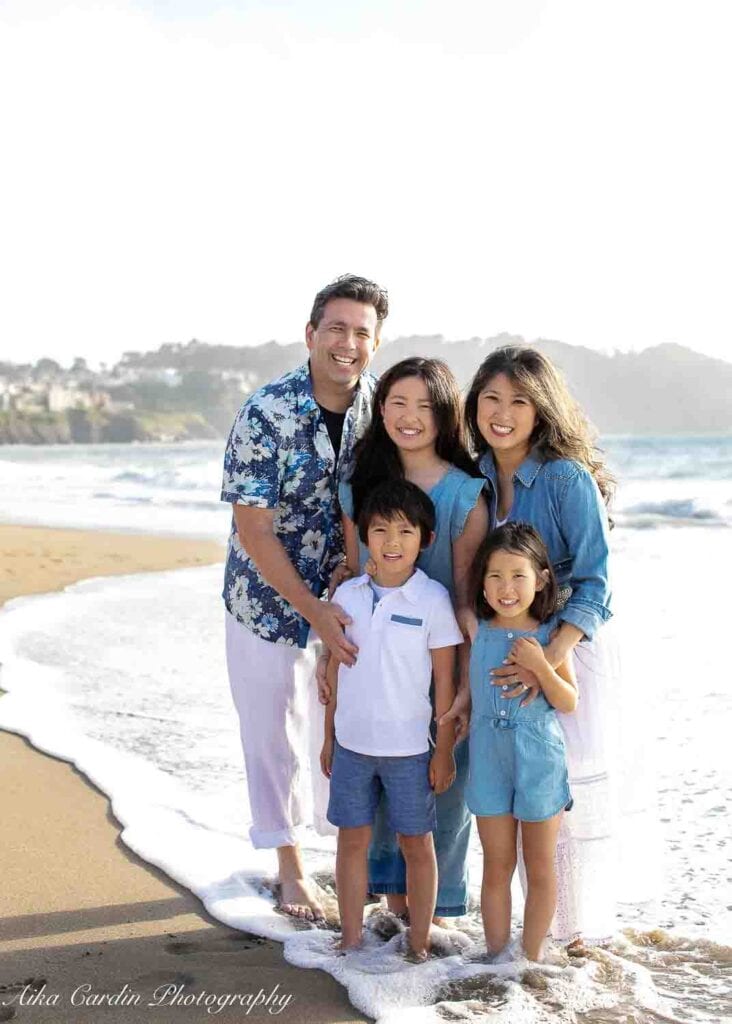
[(537, 454), (416, 434), (518, 770)]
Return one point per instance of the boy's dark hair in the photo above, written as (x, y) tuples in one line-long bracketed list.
[(519, 539), (350, 286), (398, 498)]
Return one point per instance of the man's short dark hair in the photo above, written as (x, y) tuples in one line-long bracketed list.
[(350, 286), (398, 498)]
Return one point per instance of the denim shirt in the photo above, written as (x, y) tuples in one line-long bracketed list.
[(279, 456), (561, 500)]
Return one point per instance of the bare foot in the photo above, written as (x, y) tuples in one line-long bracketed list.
[(416, 956), (397, 904), (295, 897), (443, 922), (343, 946)]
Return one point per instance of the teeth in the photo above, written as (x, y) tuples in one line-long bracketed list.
[(409, 431), (343, 360), (501, 430)]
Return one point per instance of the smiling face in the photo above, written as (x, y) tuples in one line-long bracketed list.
[(394, 544), (506, 417), (408, 416), (510, 585), (342, 344)]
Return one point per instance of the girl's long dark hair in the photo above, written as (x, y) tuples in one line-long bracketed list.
[(562, 430), (376, 457), (519, 539)]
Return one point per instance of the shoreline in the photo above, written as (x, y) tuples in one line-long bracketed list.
[(118, 921)]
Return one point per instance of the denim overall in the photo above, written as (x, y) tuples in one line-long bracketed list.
[(517, 758)]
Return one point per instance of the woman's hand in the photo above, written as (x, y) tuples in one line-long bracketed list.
[(459, 713), (521, 681)]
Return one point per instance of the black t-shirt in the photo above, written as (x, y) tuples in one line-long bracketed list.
[(334, 424)]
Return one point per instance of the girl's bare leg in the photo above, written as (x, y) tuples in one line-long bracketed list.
[(498, 839), (419, 854), (352, 882), (539, 840)]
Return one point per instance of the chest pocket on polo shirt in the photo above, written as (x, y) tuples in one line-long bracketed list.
[(408, 634), (405, 620)]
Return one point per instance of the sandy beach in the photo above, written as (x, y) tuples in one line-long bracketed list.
[(88, 931)]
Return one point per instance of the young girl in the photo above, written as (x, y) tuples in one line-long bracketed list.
[(537, 453), (518, 771), (416, 434)]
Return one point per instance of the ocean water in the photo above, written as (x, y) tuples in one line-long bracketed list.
[(664, 481), (126, 678)]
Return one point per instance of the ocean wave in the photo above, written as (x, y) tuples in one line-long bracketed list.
[(672, 511)]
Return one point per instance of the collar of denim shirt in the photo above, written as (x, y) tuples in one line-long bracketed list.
[(412, 589), (526, 472)]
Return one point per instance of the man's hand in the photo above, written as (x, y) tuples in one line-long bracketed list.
[(328, 621), (321, 670), (326, 756), (459, 713), (442, 770), (520, 679), (468, 622)]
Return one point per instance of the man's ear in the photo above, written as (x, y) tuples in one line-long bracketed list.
[(377, 338), (542, 579), (430, 541), (309, 332)]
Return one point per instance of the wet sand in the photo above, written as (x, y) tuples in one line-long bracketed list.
[(88, 931)]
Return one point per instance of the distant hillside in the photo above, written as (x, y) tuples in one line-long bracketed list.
[(193, 390)]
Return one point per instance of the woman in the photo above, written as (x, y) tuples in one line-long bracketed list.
[(541, 467)]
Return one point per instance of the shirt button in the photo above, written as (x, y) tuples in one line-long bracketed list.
[(510, 636), (503, 714), (504, 687)]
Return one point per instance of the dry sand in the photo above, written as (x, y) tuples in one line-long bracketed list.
[(77, 908)]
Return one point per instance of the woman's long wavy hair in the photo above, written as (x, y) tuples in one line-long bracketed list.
[(562, 431), (376, 457)]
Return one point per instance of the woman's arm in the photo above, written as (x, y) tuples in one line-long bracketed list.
[(584, 527)]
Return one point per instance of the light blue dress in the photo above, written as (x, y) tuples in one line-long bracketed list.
[(454, 496), (518, 763)]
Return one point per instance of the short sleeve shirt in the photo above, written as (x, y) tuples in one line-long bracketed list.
[(384, 706), (279, 456)]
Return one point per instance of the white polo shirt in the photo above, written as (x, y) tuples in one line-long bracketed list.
[(384, 704)]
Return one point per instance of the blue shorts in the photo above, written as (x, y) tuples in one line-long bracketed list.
[(517, 769), (356, 784)]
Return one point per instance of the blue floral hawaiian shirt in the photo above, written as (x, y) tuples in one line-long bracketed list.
[(279, 456)]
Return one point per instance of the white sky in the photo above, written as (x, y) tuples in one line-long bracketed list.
[(189, 169)]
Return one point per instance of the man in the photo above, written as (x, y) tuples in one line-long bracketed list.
[(290, 445)]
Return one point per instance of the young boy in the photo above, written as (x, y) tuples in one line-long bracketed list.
[(377, 723)]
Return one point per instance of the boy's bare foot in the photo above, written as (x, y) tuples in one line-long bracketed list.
[(344, 946), (295, 897), (443, 922), (416, 956)]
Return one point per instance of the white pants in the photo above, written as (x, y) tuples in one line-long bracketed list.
[(275, 695)]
